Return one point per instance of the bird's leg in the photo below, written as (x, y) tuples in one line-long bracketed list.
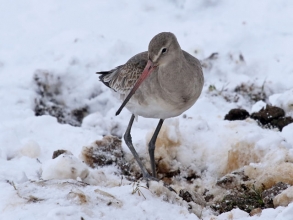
[(152, 146), (128, 141)]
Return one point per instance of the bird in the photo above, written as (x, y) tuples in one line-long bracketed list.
[(160, 83)]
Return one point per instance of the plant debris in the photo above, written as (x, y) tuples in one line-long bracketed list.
[(269, 194), (104, 152), (244, 198)]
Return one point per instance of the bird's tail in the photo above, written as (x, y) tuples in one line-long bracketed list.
[(103, 77)]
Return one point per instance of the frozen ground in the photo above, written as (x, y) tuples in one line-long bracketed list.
[(63, 43)]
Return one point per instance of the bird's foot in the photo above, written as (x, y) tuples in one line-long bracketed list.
[(148, 178)]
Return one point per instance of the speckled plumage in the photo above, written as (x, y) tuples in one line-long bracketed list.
[(122, 78)]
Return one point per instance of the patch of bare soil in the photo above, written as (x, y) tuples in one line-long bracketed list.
[(252, 92), (243, 195), (236, 114), (268, 117), (50, 99), (234, 190), (107, 151), (249, 91)]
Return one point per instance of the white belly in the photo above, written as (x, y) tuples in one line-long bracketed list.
[(154, 108)]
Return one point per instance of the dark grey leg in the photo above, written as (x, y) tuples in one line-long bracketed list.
[(128, 141), (152, 146)]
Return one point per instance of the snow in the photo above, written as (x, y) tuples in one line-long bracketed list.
[(284, 100), (258, 106), (66, 42), (64, 167), (284, 198)]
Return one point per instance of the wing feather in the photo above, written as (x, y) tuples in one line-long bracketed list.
[(122, 78)]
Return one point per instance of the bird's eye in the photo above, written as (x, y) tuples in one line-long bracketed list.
[(164, 50)]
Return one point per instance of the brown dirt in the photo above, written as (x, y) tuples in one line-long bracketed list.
[(236, 114), (266, 115), (49, 101), (104, 152)]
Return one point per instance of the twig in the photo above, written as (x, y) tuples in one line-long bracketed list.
[(136, 188)]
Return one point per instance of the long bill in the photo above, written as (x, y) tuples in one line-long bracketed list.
[(146, 72)]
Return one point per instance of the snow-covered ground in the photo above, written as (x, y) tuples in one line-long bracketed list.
[(63, 44)]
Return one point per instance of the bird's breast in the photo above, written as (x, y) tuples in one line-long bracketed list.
[(159, 103)]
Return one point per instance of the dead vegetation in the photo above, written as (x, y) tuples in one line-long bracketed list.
[(77, 196), (105, 152), (250, 91), (136, 189), (246, 199), (246, 189), (237, 188), (28, 198), (243, 194), (76, 192), (253, 92), (108, 151)]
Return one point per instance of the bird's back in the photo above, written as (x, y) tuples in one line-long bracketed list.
[(122, 78)]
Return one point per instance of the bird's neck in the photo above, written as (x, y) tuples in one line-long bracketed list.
[(171, 72), (177, 82)]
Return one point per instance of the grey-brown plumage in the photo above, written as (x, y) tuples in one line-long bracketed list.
[(161, 83), (122, 78)]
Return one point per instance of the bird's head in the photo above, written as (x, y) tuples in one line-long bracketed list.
[(163, 48)]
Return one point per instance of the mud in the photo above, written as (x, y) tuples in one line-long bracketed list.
[(236, 114), (50, 100), (269, 117), (107, 151)]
